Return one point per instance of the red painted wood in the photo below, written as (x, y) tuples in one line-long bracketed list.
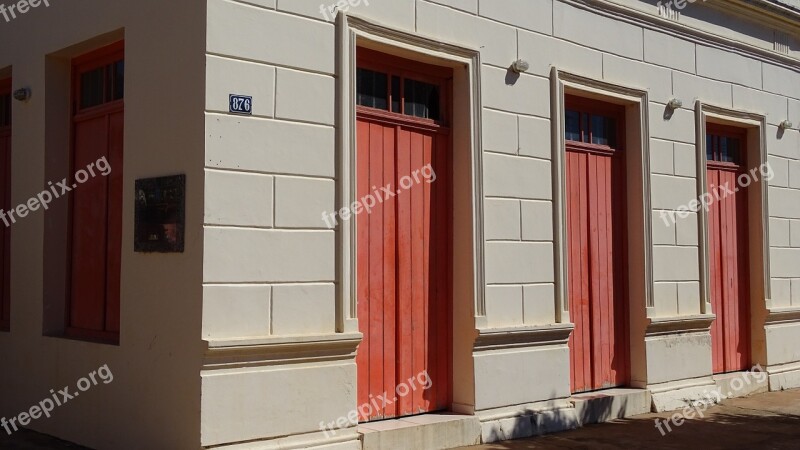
[(5, 205), (116, 124), (389, 267), (362, 256), (418, 295), (93, 310), (618, 255), (597, 249), (595, 306), (715, 281), (376, 261), (89, 235), (405, 309), (743, 298), (405, 335), (404, 261), (576, 243), (584, 353), (728, 249), (439, 262)]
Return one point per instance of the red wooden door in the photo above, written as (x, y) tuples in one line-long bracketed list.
[(728, 250), (597, 250), (94, 306), (96, 226), (5, 203), (404, 263)]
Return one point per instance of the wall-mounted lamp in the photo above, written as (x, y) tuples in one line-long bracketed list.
[(785, 125), (674, 103), (520, 66), (22, 94)]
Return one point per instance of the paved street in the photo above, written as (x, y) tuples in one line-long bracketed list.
[(761, 422)]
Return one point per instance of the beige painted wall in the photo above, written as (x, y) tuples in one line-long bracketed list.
[(293, 135), (154, 399), (257, 282)]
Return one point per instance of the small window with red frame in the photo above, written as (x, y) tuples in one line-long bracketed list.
[(100, 85), (592, 122), (400, 86), (725, 145)]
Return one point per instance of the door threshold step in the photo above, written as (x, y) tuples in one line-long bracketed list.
[(610, 404), (428, 431)]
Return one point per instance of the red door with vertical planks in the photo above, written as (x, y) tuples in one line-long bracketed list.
[(404, 241), (596, 234), (728, 248), (5, 203), (98, 118)]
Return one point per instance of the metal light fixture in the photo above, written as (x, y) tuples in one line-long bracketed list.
[(674, 103), (22, 94), (786, 124), (520, 66)]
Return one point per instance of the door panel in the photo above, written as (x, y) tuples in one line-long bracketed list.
[(97, 226), (404, 275), (114, 264), (89, 229), (728, 232), (596, 232)]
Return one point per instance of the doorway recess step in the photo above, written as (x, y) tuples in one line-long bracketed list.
[(610, 404), (428, 431)]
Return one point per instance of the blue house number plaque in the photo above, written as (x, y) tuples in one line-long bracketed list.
[(241, 104)]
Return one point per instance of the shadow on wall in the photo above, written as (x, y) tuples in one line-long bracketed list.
[(511, 77)]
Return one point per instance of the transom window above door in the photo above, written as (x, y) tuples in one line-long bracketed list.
[(403, 88), (723, 148), (398, 94), (591, 128), (593, 124), (101, 85)]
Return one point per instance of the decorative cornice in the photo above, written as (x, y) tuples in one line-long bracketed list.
[(732, 113), (233, 353), (355, 22), (625, 13), (699, 323), (776, 11), (601, 85), (519, 337), (777, 316)]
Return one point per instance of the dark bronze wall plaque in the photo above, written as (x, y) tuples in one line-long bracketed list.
[(160, 214)]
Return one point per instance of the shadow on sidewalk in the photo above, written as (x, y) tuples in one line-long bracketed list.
[(30, 440), (721, 428)]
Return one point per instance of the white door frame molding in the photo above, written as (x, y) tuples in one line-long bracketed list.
[(640, 216), (352, 32)]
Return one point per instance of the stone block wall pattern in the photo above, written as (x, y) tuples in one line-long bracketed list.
[(245, 336)]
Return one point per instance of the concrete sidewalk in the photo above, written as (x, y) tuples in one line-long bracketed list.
[(29, 440), (761, 422)]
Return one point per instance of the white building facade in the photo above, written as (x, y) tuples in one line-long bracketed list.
[(484, 208)]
